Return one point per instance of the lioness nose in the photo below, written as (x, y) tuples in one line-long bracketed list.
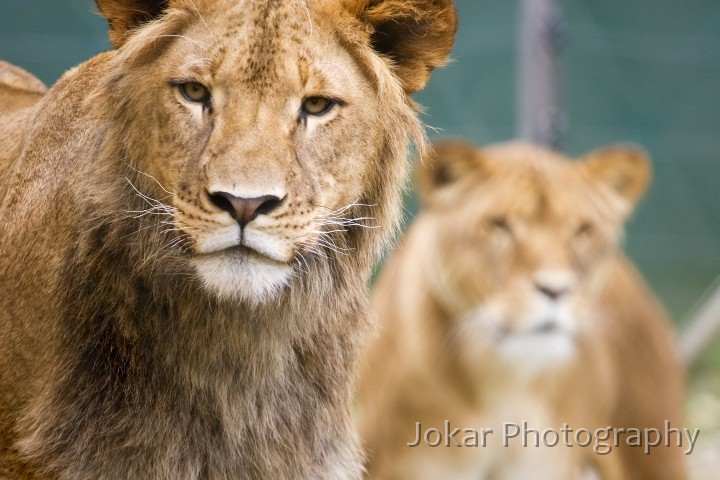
[(245, 210), (554, 283), (554, 292)]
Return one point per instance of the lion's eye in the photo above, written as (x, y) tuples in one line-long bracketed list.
[(194, 92), (584, 229), (317, 105), (500, 223)]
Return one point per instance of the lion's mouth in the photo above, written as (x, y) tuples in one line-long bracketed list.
[(242, 253), (548, 326), (250, 244)]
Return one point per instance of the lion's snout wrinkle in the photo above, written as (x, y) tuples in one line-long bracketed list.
[(245, 210)]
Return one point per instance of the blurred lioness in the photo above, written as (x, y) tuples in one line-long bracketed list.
[(514, 331)]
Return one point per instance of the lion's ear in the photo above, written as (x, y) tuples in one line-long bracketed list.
[(417, 35), (447, 162), (625, 169), (125, 15)]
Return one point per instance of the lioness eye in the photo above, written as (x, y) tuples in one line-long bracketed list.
[(500, 223), (317, 105), (584, 229), (195, 92)]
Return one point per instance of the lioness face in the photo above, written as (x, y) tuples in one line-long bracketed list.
[(269, 132), (523, 235)]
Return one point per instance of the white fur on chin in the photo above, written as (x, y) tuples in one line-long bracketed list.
[(242, 276), (537, 353)]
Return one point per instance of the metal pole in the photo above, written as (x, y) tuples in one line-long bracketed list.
[(702, 328), (539, 116)]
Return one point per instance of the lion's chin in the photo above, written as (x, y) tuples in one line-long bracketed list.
[(537, 352), (242, 275)]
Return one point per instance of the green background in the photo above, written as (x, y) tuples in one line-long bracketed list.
[(646, 71)]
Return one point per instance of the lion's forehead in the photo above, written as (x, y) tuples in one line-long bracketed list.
[(257, 43), (267, 19), (526, 221), (534, 200)]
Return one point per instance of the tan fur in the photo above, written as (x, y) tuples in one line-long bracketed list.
[(468, 336), (19, 93), (143, 332)]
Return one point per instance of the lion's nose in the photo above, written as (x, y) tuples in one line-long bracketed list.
[(245, 210), (554, 292), (554, 284)]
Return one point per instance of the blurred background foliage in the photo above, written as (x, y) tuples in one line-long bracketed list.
[(642, 71)]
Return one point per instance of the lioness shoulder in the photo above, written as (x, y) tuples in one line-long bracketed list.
[(19, 92), (18, 88)]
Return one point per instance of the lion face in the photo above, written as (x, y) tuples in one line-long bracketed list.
[(266, 140), (521, 236), (267, 137)]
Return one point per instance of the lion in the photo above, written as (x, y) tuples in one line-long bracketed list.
[(188, 230), (19, 90), (510, 308)]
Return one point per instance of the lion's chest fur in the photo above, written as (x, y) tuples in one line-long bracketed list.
[(180, 388)]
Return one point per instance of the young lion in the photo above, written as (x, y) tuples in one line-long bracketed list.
[(509, 309), (182, 258)]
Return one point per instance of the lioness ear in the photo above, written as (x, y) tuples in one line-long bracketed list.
[(125, 15), (624, 168), (447, 162), (417, 35)]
